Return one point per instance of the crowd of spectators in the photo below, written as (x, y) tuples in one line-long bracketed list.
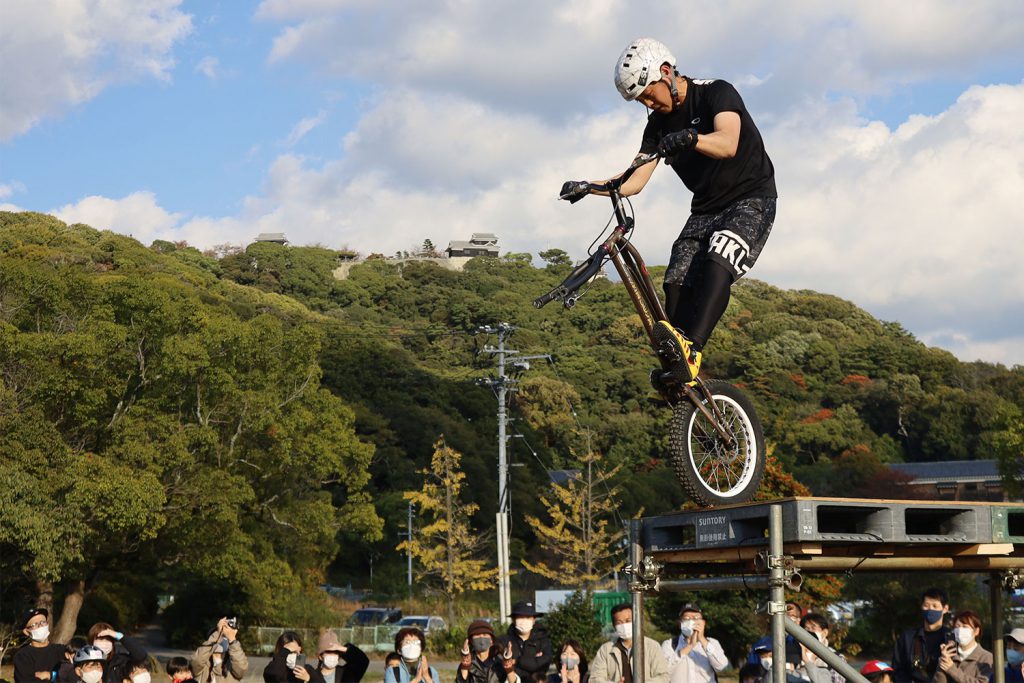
[(943, 648)]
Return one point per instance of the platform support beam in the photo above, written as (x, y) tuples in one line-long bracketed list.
[(636, 586), (995, 590), (777, 599)]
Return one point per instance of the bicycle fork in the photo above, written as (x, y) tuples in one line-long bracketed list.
[(714, 415)]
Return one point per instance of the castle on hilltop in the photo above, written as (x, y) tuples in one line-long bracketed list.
[(455, 256)]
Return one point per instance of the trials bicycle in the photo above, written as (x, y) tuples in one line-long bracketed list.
[(715, 438)]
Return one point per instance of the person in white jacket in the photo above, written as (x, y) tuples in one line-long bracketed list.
[(691, 656)]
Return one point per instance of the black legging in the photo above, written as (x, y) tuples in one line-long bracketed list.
[(697, 309)]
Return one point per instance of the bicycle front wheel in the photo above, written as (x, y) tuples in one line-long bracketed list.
[(713, 470)]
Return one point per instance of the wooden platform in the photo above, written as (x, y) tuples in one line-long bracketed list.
[(839, 534)]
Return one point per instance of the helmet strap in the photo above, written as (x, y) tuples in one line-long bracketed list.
[(674, 89)]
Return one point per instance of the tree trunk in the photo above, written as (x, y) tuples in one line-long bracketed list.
[(45, 592), (68, 623)]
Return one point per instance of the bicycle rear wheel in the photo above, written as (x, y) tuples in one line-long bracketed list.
[(712, 471)]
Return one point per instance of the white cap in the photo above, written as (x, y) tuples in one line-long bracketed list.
[(1017, 634)]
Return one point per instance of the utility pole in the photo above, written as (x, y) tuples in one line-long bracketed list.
[(408, 548), (503, 384)]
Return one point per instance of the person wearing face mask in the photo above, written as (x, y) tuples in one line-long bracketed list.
[(483, 661), (288, 662), (90, 663), (38, 658), (1015, 656), (964, 660), (811, 666), (762, 651), (340, 663), (613, 662), (531, 644), (220, 658), (123, 652), (66, 670), (413, 666), (915, 655), (572, 664), (691, 656), (139, 674)]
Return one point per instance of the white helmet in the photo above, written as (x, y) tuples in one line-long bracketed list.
[(640, 65)]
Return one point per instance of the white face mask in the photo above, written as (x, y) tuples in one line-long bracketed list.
[(766, 663), (330, 661), (40, 634), (92, 676), (964, 635), (524, 626), (105, 646), (142, 677), (686, 627), (290, 660), (411, 651), (624, 631)]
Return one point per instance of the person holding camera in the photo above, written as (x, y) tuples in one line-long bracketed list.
[(915, 655), (341, 663), (482, 660), (572, 664), (220, 659), (288, 663), (963, 659)]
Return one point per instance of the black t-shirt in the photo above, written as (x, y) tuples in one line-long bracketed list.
[(715, 183), (28, 660)]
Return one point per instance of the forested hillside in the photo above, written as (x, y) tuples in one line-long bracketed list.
[(252, 419)]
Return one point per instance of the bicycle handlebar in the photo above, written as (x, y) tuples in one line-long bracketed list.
[(579, 277), (616, 183)]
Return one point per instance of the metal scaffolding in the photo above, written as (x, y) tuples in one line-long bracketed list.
[(724, 548)]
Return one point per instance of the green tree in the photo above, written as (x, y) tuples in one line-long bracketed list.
[(555, 257), (576, 618)]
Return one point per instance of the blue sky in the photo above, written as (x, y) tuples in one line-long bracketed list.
[(894, 130)]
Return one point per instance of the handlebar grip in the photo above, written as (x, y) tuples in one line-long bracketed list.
[(542, 301)]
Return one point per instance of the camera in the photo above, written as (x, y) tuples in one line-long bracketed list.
[(233, 622)]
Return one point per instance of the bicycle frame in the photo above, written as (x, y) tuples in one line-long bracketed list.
[(637, 281)]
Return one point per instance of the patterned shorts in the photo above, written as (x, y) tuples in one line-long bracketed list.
[(733, 237)]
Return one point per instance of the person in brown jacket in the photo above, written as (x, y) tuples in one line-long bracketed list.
[(964, 661), (220, 658)]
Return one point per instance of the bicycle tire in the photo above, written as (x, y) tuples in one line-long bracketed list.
[(698, 469)]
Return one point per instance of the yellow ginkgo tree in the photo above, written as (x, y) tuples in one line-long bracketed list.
[(582, 542), (447, 550)]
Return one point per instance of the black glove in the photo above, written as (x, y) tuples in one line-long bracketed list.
[(574, 190), (674, 143)]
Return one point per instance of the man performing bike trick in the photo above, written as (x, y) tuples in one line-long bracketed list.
[(704, 132)]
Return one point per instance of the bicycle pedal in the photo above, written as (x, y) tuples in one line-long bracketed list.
[(670, 352)]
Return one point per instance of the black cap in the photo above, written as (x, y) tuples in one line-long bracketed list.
[(31, 613), (525, 609), (690, 607)]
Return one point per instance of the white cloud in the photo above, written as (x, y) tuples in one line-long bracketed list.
[(55, 54), (137, 215), (522, 54), (917, 224), (304, 126), (10, 188), (209, 66)]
